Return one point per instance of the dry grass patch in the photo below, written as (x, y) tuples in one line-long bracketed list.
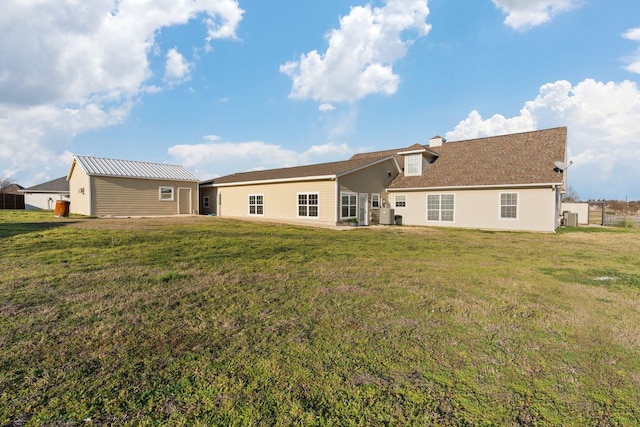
[(210, 321)]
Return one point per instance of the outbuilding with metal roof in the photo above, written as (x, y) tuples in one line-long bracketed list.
[(112, 187)]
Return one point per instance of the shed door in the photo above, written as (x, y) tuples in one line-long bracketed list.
[(184, 201)]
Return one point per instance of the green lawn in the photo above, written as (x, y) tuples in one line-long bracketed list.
[(210, 321)]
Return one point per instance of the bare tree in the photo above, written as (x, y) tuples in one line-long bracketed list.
[(571, 196), (5, 183)]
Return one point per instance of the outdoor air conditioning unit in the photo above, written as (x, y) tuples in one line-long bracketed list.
[(387, 216), (569, 219)]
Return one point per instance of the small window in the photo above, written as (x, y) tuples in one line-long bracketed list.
[(206, 202), (308, 205), (348, 205), (509, 205), (256, 204), (166, 194), (375, 201), (400, 201)]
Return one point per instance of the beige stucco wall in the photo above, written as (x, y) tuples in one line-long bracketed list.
[(79, 191), (280, 200), (481, 209)]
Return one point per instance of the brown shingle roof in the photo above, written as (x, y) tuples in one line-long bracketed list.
[(516, 159), (297, 172), (381, 154)]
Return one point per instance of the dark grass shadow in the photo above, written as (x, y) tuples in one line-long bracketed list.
[(17, 228)]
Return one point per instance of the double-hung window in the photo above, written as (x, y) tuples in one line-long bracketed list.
[(206, 202), (375, 200), (400, 201), (414, 164), (509, 205), (256, 204), (348, 205), (308, 205), (440, 207)]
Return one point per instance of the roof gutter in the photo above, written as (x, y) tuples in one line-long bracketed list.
[(272, 181), (475, 187)]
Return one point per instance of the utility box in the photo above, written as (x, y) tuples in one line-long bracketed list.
[(387, 216)]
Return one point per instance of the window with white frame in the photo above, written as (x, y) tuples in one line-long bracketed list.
[(165, 193), (308, 205), (348, 205), (440, 207), (414, 164), (375, 201), (508, 205), (256, 204), (400, 200), (206, 202)]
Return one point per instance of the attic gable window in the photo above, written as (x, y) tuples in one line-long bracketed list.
[(413, 164)]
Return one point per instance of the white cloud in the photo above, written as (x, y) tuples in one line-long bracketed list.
[(603, 121), (359, 59), (212, 159), (634, 60), (326, 107), (73, 66), (177, 69), (525, 14)]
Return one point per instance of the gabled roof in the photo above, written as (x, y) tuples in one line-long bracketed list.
[(58, 185), (99, 166), (299, 173), (518, 159), (12, 189)]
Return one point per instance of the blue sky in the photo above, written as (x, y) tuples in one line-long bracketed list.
[(223, 86)]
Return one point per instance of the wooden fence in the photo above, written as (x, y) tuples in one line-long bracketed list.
[(11, 201)]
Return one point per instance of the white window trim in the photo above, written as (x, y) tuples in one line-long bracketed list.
[(500, 217), (440, 208), (206, 202), (373, 197), (256, 205), (350, 194), (406, 160), (395, 197), (312, 193), (165, 187)]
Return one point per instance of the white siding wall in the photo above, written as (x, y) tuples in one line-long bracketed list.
[(46, 201), (481, 209)]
